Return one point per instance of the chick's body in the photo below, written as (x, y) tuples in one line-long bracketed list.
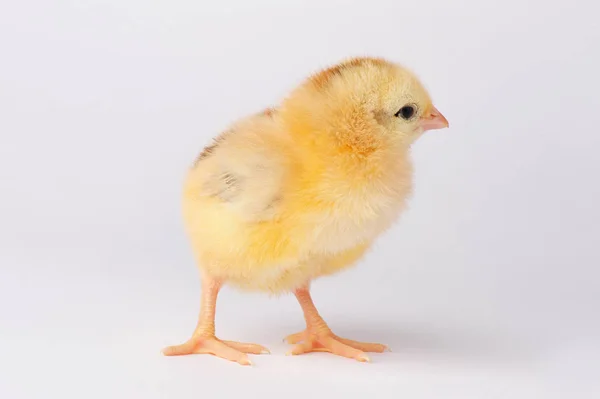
[(302, 190), (275, 212)]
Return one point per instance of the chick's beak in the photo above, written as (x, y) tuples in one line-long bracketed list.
[(433, 120)]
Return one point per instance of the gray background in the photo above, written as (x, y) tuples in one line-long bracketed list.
[(487, 288)]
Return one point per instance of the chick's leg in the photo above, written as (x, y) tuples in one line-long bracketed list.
[(204, 341), (318, 337)]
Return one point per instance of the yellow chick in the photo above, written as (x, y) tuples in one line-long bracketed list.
[(301, 191)]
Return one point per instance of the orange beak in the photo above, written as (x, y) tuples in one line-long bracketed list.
[(433, 120)]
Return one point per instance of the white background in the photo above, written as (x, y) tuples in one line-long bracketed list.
[(487, 288)]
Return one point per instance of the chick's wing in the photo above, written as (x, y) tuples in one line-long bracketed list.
[(245, 171)]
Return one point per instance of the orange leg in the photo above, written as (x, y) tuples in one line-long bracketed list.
[(204, 341), (318, 337)]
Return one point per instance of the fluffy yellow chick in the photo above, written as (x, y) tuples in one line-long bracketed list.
[(301, 191)]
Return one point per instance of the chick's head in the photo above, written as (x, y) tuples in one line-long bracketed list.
[(365, 97)]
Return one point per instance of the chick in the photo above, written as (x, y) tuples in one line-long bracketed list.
[(301, 191)]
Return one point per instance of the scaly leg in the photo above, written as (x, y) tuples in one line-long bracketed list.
[(318, 337), (204, 341)]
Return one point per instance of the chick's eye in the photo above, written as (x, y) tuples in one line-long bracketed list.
[(406, 112)]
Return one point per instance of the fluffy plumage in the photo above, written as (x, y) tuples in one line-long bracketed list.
[(301, 190)]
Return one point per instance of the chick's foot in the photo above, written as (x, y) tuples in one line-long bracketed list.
[(318, 337), (326, 341), (203, 339), (230, 350)]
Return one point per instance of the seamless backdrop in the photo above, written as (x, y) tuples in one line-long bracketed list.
[(487, 288)]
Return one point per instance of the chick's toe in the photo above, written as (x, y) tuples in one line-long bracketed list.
[(212, 346)]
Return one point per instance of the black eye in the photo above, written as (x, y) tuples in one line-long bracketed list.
[(406, 112)]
